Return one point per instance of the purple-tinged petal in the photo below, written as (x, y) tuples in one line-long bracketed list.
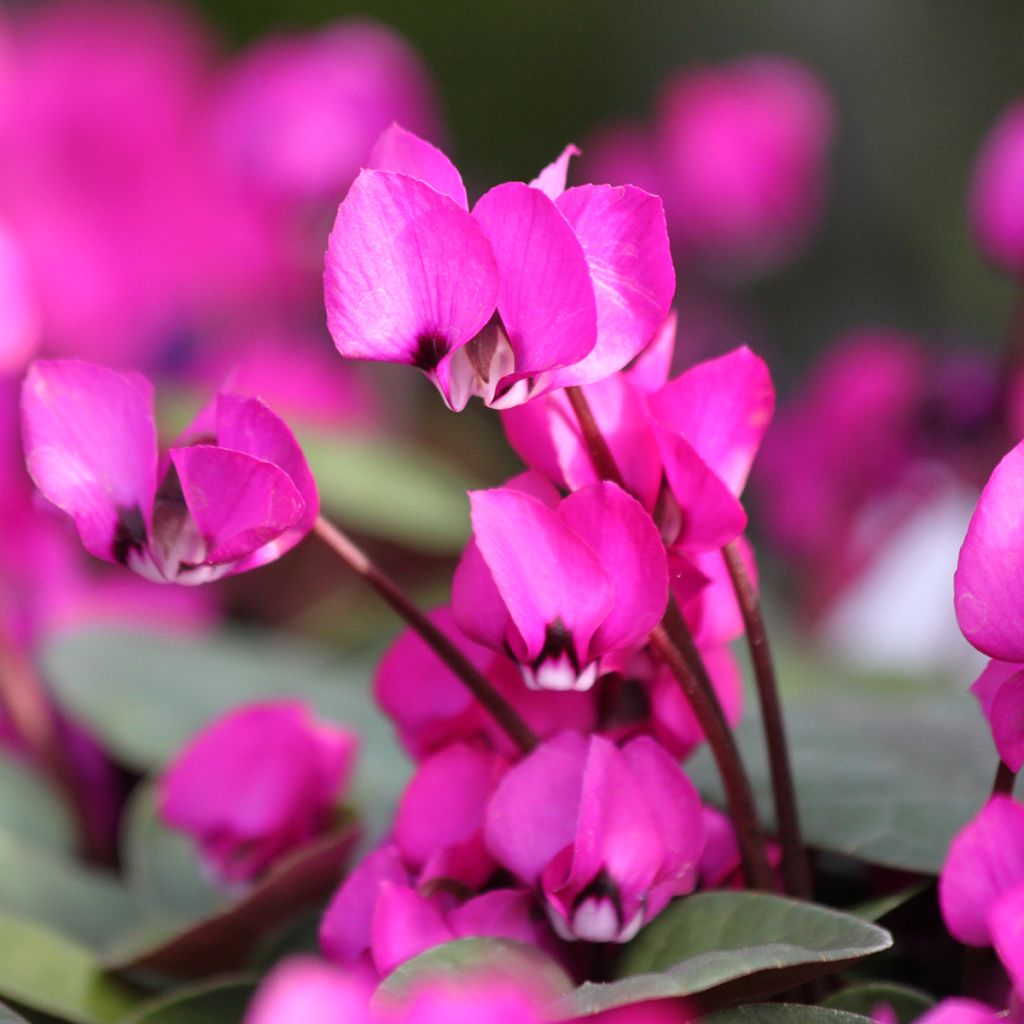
[(20, 320), (401, 150), (302, 990), (248, 425), (989, 577), (409, 275), (550, 580), (985, 861), (1000, 692), (629, 547), (477, 606), (523, 832), (723, 408), (444, 804), (710, 514), (90, 446), (239, 503), (502, 914), (345, 928), (624, 238), (1006, 923), (956, 1010), (545, 294), (551, 180), (405, 924)]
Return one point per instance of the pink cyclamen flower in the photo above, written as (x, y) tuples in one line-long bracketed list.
[(257, 783), (538, 287), (234, 495), (431, 706), (568, 587), (743, 152), (996, 196), (608, 835), (303, 990)]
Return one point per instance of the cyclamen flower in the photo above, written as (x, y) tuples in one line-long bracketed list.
[(569, 587), (996, 195), (990, 605), (235, 494), (608, 836), (257, 783), (304, 990), (538, 287)]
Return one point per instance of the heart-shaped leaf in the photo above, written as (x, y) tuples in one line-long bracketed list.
[(45, 971), (31, 810), (215, 1002), (726, 945), (224, 940)]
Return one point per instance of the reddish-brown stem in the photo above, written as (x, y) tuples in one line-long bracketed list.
[(795, 869), (357, 560), (1002, 784), (675, 646), (600, 454), (739, 796)]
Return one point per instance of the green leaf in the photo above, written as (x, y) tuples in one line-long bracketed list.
[(784, 1013), (726, 945), (31, 809), (874, 910), (215, 1002), (145, 694), (909, 1003), (391, 489), (224, 939), (45, 971), (467, 957), (884, 773), (85, 904)]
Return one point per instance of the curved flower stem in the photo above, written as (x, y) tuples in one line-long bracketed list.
[(739, 795), (1002, 784), (795, 869), (675, 646), (359, 562)]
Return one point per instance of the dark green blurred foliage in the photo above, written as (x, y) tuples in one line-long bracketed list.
[(917, 84)]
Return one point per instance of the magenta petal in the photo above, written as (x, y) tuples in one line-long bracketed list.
[(624, 238), (1007, 926), (501, 913), (956, 1010), (401, 150), (551, 180), (651, 368), (985, 861), (247, 425), (238, 502), (303, 990), (629, 547), (346, 924), (523, 831), (405, 924), (409, 274), (444, 803), (711, 514), (723, 408), (548, 576), (1007, 721), (989, 577), (90, 445), (477, 606), (545, 295)]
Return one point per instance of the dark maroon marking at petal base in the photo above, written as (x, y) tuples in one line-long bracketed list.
[(430, 350), (130, 534)]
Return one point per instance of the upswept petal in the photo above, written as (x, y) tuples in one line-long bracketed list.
[(547, 576), (722, 407), (551, 180), (478, 607), (91, 448), (545, 294), (239, 503), (1007, 926), (985, 861), (404, 925), (533, 813), (624, 238), (409, 274), (501, 913), (400, 150), (629, 547), (989, 578), (652, 366)]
